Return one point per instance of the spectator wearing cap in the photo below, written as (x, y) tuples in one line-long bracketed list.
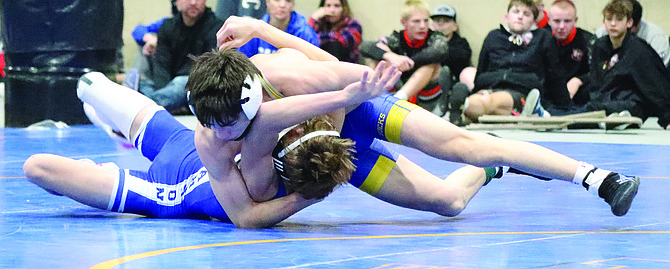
[(418, 52), (459, 53)]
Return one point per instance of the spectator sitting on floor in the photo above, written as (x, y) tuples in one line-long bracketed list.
[(502, 83), (417, 51), (191, 32), (626, 77), (574, 47), (646, 30)]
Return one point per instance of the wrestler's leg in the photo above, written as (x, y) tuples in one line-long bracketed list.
[(448, 142), (410, 186), (120, 107), (84, 182)]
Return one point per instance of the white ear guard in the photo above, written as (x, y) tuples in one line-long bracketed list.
[(250, 99), (190, 102), (252, 96)]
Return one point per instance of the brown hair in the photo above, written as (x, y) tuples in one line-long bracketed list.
[(623, 8), (319, 164), (525, 3), (326, 26), (215, 85)]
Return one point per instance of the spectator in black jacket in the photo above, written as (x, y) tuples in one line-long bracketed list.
[(191, 32), (515, 59), (626, 73), (574, 47)]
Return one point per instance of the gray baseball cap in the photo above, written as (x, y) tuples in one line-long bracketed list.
[(444, 10)]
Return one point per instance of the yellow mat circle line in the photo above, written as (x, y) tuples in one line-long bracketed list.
[(115, 262)]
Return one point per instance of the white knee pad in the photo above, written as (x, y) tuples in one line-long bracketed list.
[(116, 104)]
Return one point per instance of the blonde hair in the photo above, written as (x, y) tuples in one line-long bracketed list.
[(412, 6)]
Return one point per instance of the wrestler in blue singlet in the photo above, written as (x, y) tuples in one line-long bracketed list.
[(176, 184)]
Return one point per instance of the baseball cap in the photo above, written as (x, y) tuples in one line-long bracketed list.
[(444, 10)]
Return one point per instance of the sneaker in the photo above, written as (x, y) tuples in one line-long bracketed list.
[(618, 191), (533, 106), (132, 79), (616, 126), (459, 93)]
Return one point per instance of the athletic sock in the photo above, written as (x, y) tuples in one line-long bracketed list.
[(494, 172), (517, 171), (115, 103), (590, 177)]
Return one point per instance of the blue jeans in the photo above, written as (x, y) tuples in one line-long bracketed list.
[(172, 96)]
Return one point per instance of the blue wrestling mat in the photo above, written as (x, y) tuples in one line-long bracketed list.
[(514, 222)]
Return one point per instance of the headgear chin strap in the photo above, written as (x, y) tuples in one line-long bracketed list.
[(250, 99), (252, 96)]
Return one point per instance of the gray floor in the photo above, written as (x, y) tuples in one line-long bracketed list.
[(650, 133)]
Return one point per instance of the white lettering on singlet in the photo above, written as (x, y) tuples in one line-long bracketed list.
[(174, 194)]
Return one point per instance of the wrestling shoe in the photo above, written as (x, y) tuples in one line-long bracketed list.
[(533, 106), (618, 191)]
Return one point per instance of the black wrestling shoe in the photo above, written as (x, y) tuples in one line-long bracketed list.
[(618, 191)]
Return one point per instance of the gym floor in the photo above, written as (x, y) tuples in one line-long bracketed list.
[(514, 222)]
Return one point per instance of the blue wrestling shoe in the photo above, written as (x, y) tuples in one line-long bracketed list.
[(533, 106), (618, 191)]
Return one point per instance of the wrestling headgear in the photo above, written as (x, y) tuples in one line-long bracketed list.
[(252, 96), (250, 99), (280, 151)]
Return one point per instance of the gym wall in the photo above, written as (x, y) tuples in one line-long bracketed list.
[(379, 17)]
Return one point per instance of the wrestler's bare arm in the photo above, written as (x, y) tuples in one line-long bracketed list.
[(230, 188), (237, 31), (298, 67), (274, 116), (293, 73)]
